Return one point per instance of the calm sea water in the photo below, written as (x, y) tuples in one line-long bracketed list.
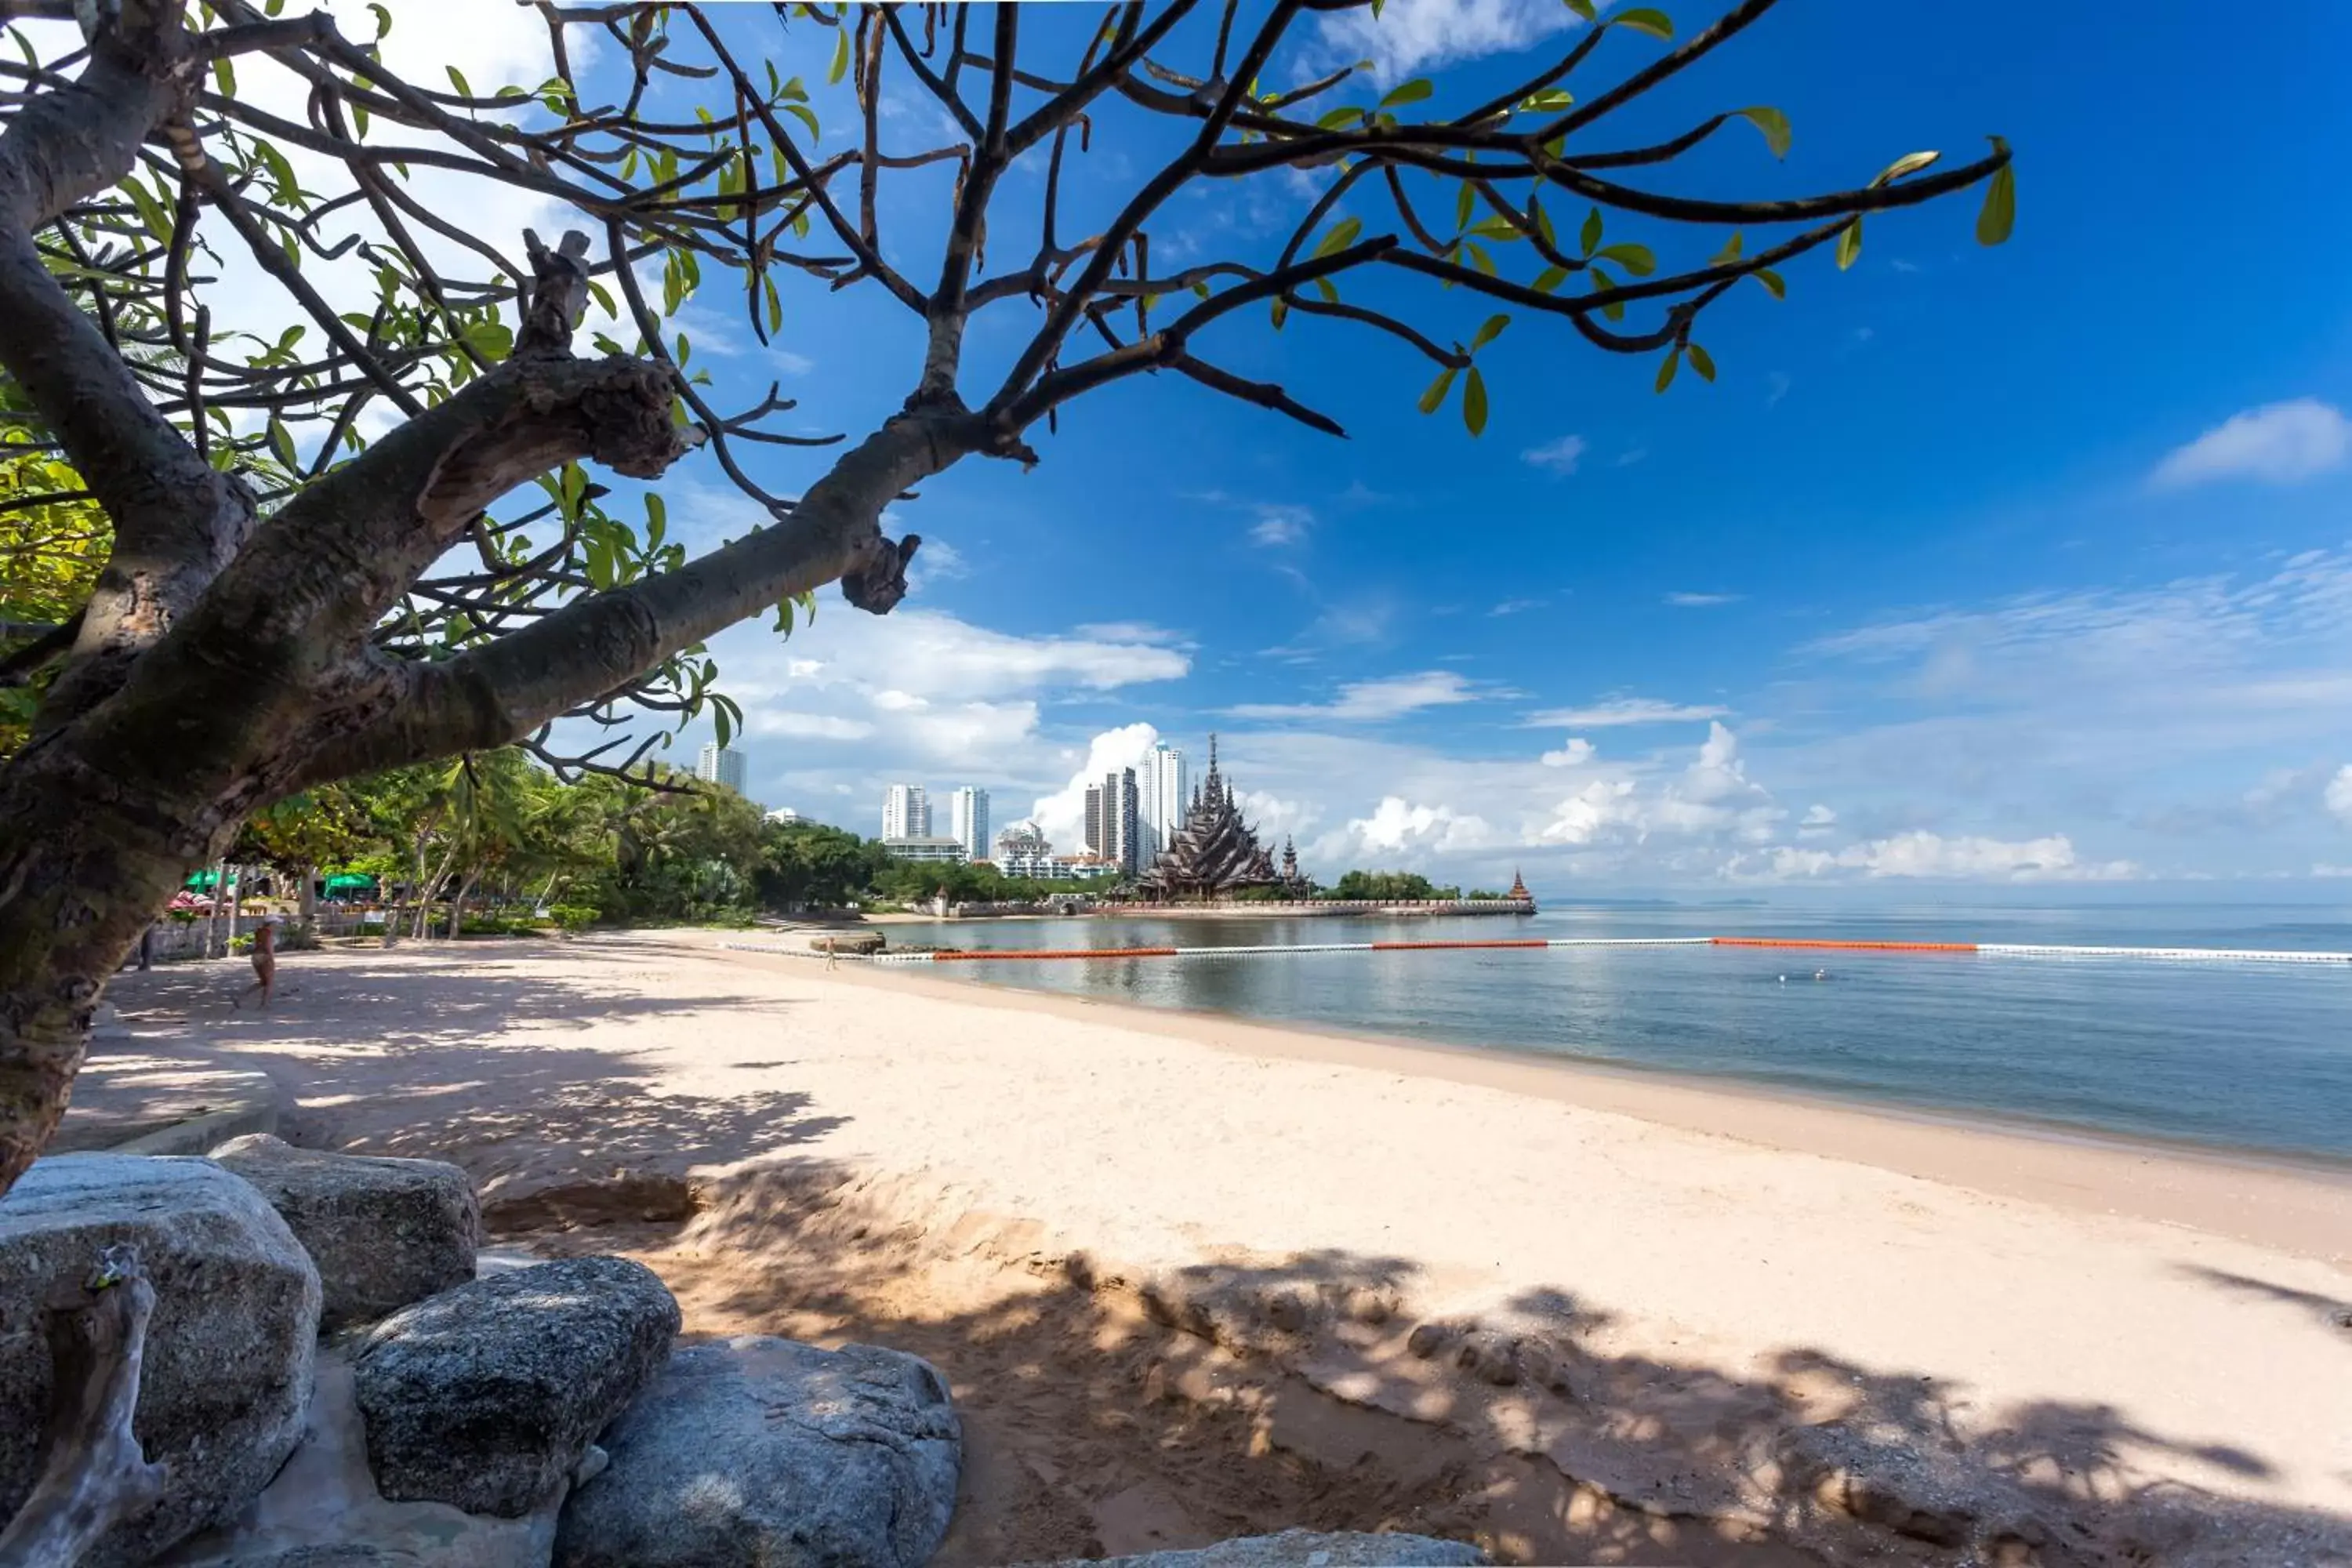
[(2248, 1057)]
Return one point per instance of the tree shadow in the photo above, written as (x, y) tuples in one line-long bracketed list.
[(2338, 1313), (461, 1056), (1109, 1412)]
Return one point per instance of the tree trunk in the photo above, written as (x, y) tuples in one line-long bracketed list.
[(458, 905), (235, 906), (215, 944)]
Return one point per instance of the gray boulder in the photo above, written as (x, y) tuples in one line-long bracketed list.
[(488, 1396), (228, 1365), (1303, 1548), (765, 1453), (383, 1233)]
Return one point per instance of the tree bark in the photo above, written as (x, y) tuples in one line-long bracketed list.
[(95, 1474)]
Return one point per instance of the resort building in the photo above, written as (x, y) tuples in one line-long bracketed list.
[(940, 851), (722, 765), (1022, 850), (783, 813), (906, 811)]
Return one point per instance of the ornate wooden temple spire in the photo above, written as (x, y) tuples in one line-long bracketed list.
[(1520, 887), (1215, 851)]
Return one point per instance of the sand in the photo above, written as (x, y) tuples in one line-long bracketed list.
[(1190, 1276)]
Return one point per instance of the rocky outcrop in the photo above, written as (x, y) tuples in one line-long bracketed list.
[(765, 1453), (1302, 1548), (488, 1397), (383, 1233), (229, 1352)]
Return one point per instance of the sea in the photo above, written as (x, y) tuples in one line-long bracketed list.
[(2251, 1059)]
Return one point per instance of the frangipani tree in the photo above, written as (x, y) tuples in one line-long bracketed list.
[(372, 525)]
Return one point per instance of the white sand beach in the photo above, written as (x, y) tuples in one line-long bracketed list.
[(1190, 1276)]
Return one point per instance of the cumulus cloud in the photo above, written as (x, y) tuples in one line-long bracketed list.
[(1397, 828), (2339, 794), (2279, 444), (1577, 751), (1414, 36), (1622, 711), (1391, 697), (1920, 855), (1559, 457)]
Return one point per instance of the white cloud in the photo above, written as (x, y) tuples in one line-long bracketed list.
[(1412, 36), (1622, 711), (1577, 752), (2339, 794), (2279, 444), (1389, 697), (1702, 601), (805, 726), (1131, 632), (1279, 524), (1561, 457), (1775, 387), (1396, 827), (1924, 855), (1516, 606)]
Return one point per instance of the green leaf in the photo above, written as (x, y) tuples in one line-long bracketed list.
[(1666, 371), (383, 22), (1464, 204), (1549, 279), (1434, 398), (806, 117), (656, 518), (1281, 313), (1999, 214), (1590, 236), (775, 305), (1551, 100), (224, 76), (1343, 234), (840, 57), (1583, 8), (1772, 123), (1636, 259), (783, 622), (1323, 287), (1771, 281), (281, 441), (1646, 19), (1474, 403), (1730, 251), (1909, 164), (151, 210), (1601, 279), (1497, 228), (457, 80), (1543, 223), (1480, 258), (1333, 118), (1702, 361), (1489, 331), (1412, 91), (1849, 244)]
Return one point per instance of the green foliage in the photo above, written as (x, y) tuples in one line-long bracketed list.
[(574, 917), (1391, 885)]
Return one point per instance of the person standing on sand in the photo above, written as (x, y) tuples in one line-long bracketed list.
[(265, 965)]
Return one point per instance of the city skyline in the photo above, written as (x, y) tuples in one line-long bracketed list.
[(723, 765)]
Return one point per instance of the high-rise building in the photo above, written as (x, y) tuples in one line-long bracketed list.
[(1163, 794), (721, 765), (906, 811), (1120, 838), (1094, 835), (968, 819)]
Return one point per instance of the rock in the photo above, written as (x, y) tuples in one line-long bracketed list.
[(323, 1511), (383, 1233), (1302, 1548), (488, 1396), (229, 1363), (765, 1453)]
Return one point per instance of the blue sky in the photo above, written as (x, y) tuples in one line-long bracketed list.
[(2029, 565)]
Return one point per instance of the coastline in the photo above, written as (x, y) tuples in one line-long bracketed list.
[(2301, 1204), (1184, 1272)]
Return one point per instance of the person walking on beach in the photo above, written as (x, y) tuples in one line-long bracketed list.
[(264, 965)]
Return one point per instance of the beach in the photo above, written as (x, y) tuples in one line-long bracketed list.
[(1190, 1276)]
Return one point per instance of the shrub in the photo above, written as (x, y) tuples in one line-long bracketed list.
[(573, 916)]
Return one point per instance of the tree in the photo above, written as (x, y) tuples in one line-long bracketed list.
[(287, 603)]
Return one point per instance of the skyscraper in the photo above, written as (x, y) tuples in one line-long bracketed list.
[(906, 811), (721, 765), (1163, 793), (968, 812), (1120, 836), (1094, 835)]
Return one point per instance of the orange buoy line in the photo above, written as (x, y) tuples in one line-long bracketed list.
[(1848, 946)]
